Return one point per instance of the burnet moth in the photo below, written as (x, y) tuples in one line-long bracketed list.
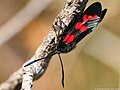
[(77, 30), (83, 25)]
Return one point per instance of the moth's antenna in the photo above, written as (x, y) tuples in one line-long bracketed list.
[(31, 62), (62, 69), (57, 52)]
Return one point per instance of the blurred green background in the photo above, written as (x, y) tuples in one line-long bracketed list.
[(92, 65)]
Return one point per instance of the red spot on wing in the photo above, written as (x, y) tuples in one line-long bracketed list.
[(83, 28), (69, 38), (66, 38), (88, 17), (78, 25), (95, 16), (85, 18)]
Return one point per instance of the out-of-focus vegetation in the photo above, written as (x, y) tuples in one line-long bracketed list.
[(93, 64)]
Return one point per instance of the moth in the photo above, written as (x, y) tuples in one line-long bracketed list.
[(79, 27)]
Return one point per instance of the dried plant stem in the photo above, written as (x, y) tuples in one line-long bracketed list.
[(26, 75)]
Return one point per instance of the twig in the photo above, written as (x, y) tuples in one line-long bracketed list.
[(47, 48)]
